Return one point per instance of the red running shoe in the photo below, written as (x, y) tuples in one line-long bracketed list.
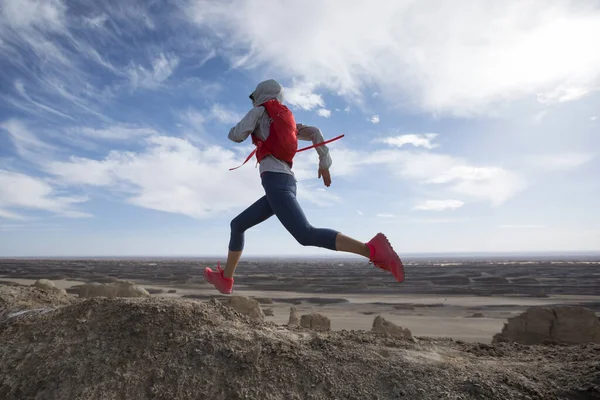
[(384, 256), (216, 278)]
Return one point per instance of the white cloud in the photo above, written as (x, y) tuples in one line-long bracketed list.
[(301, 95), (115, 132), (223, 115), (47, 14), (593, 118), (360, 212), (451, 175), (194, 118), (385, 215), (375, 119), (10, 215), (170, 174), (346, 162), (26, 143), (96, 22), (494, 184), (84, 171), (37, 106), (322, 112), (318, 196), (37, 41), (417, 140), (20, 191), (162, 68), (564, 93), (194, 121), (439, 205), (464, 172), (561, 161), (468, 69)]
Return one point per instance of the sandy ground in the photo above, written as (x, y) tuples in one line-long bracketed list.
[(424, 315)]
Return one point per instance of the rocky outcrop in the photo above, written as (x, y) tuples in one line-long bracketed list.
[(562, 324), (381, 325), (315, 321), (294, 317), (246, 306), (269, 312)]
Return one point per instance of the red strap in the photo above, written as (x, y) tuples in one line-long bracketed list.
[(247, 159), (320, 144), (298, 151)]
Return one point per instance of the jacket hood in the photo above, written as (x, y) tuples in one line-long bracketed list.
[(265, 91)]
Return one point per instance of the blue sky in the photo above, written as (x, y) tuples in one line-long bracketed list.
[(469, 126)]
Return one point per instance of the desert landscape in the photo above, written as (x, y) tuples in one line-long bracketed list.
[(312, 326), (464, 299)]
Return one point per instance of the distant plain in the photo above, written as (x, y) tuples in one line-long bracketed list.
[(465, 298)]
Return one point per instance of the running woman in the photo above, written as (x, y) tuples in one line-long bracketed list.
[(279, 183)]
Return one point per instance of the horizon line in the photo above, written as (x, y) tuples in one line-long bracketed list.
[(466, 254)]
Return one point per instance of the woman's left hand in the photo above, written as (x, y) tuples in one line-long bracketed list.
[(326, 176)]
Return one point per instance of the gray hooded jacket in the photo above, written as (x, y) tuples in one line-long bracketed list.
[(257, 121)]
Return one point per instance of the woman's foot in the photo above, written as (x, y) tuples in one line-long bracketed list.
[(384, 256), (218, 280)]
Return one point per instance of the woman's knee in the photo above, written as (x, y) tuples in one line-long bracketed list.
[(237, 225), (305, 237)]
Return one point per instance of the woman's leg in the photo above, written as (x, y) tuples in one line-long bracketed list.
[(253, 215), (281, 193), (349, 245)]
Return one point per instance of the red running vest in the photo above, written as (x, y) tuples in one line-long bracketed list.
[(282, 142)]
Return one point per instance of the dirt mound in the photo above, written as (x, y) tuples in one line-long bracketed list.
[(114, 289), (18, 298), (158, 348), (562, 324), (264, 300), (48, 286)]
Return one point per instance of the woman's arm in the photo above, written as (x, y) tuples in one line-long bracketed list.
[(246, 126), (314, 134)]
